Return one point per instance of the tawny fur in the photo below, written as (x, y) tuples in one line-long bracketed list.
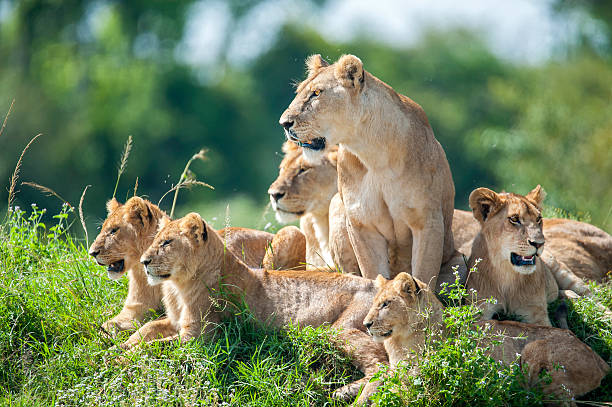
[(405, 310), (303, 190), (188, 256), (510, 223), (393, 175), (129, 230)]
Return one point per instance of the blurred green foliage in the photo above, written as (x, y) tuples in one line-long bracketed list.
[(88, 74)]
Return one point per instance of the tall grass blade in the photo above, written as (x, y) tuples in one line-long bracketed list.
[(185, 184), (123, 163), (15, 176), (6, 117), (81, 215), (136, 186), (47, 191), (200, 155)]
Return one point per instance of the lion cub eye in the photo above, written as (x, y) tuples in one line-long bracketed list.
[(514, 220), (539, 219), (166, 242), (113, 230), (302, 170), (384, 305)]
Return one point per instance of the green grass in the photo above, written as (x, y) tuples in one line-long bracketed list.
[(53, 298)]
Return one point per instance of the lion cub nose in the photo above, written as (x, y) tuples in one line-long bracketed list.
[(146, 262), (94, 253), (277, 195), (367, 324)]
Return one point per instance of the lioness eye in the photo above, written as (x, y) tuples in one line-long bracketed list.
[(166, 242), (539, 219), (315, 93), (514, 220)]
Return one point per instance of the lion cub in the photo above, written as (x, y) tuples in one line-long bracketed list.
[(189, 258), (404, 307), (129, 230)]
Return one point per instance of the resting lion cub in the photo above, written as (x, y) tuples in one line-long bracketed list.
[(404, 307), (188, 257), (393, 175), (129, 230)]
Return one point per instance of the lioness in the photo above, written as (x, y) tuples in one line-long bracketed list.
[(189, 258), (404, 311), (393, 175), (303, 190), (129, 230)]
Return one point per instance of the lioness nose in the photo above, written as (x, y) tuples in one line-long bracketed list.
[(286, 123), (277, 195), (146, 262), (537, 245), (367, 324), (94, 253)]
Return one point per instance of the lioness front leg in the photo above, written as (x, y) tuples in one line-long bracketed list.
[(427, 249), (371, 250), (534, 313)]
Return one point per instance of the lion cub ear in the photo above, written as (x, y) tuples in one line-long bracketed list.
[(537, 195), (484, 203), (314, 63), (349, 71), (112, 205), (194, 226), (139, 210), (379, 282), (406, 284)]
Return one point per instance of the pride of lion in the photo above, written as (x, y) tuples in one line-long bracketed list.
[(378, 238)]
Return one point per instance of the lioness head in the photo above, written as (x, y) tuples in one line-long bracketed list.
[(303, 186), (127, 231), (326, 103), (511, 226), (179, 249), (399, 307)]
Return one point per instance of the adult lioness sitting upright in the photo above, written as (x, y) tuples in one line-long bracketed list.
[(129, 230), (187, 255), (393, 175)]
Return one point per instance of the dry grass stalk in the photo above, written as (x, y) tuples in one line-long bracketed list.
[(200, 155), (123, 163), (15, 176), (136, 186), (81, 215), (6, 117), (185, 184), (46, 190)]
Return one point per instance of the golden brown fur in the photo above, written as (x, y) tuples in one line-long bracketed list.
[(393, 175), (303, 190), (188, 257), (511, 228), (404, 311), (129, 230)]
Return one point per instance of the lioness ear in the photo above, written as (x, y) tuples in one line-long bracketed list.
[(484, 203), (349, 71), (537, 195), (314, 63), (112, 205), (380, 281)]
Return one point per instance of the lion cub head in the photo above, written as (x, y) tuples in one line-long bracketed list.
[(180, 249), (303, 186), (326, 104), (401, 307), (511, 227), (127, 231)]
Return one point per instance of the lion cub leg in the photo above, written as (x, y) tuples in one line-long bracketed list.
[(534, 312), (158, 329), (287, 250), (142, 298), (367, 356)]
